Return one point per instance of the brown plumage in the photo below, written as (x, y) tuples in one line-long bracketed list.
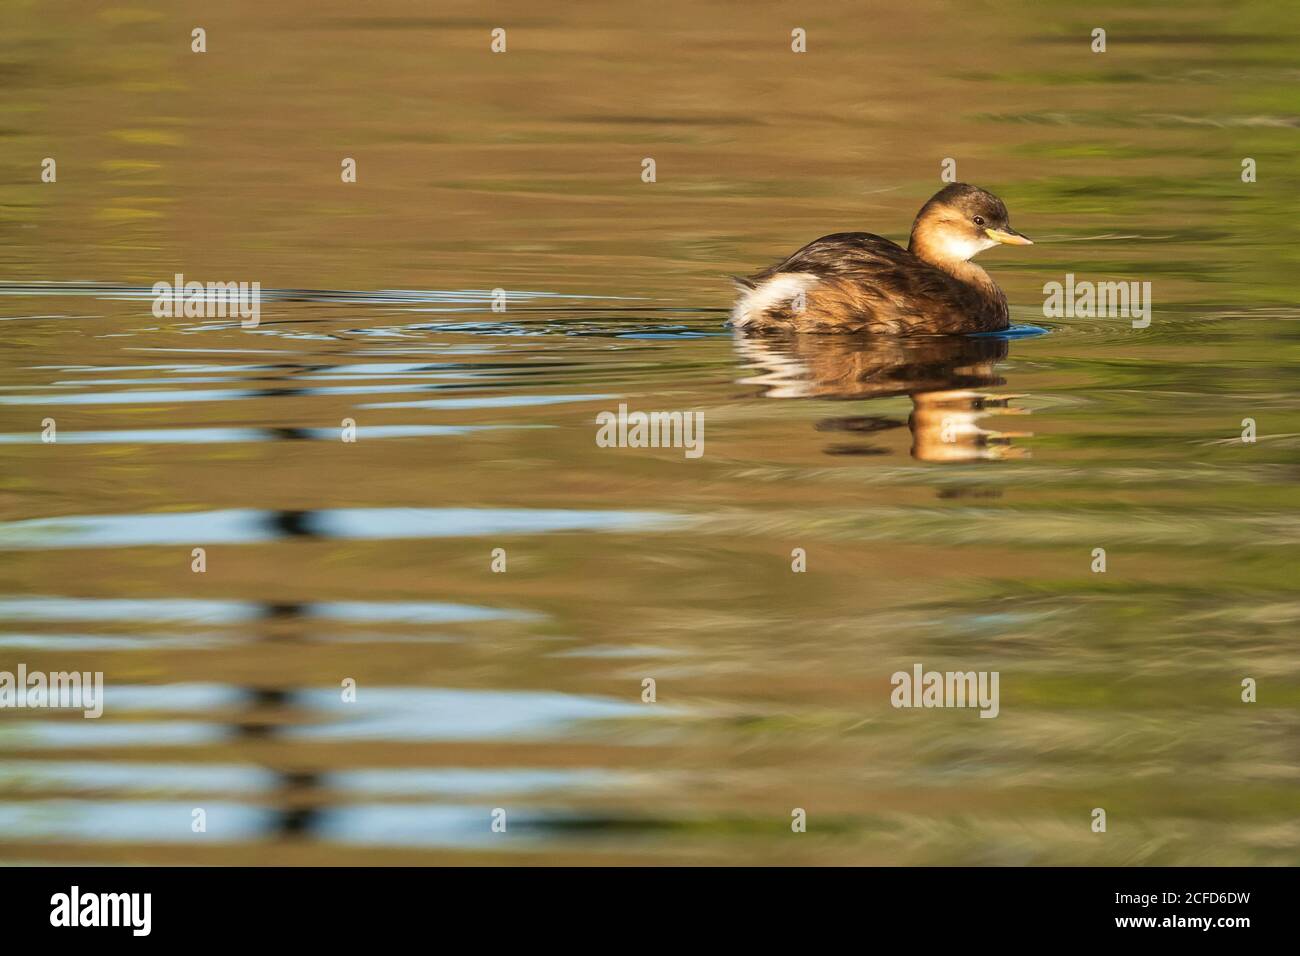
[(859, 282)]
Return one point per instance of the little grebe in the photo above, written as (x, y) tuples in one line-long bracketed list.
[(857, 282)]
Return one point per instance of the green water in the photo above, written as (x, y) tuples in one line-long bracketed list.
[(948, 498)]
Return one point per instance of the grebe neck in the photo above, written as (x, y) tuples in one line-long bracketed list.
[(961, 269)]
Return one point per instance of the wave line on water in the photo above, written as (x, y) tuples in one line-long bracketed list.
[(123, 291)]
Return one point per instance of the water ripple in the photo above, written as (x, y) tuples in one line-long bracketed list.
[(249, 526)]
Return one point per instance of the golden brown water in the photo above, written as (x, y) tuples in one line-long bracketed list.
[(948, 495)]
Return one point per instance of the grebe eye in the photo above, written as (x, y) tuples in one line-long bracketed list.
[(979, 220)]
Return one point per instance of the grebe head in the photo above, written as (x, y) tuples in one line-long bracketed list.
[(958, 223)]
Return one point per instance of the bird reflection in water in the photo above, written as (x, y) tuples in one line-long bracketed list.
[(942, 375)]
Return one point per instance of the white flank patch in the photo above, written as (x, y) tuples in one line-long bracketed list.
[(778, 292)]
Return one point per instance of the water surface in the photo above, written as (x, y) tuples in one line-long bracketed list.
[(948, 494)]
